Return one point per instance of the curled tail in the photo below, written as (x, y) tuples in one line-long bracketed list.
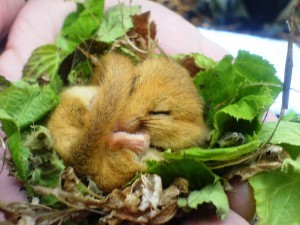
[(90, 153), (113, 75)]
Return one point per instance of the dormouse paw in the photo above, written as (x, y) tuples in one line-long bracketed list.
[(137, 142)]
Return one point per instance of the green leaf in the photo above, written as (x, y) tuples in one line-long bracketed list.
[(277, 196), (290, 163), (248, 107), (225, 123), (218, 154), (80, 25), (42, 66), (116, 23), (47, 173), (28, 104), (203, 61), (257, 70), (196, 173), (46, 167), (287, 132), (243, 115), (243, 93), (4, 83), (293, 150), (80, 74), (291, 116), (213, 194), (286, 135), (19, 154), (217, 78), (9, 126)]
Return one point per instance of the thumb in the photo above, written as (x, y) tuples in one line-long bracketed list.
[(37, 24), (8, 12)]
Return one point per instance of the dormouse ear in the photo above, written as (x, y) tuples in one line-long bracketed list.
[(112, 64), (101, 66)]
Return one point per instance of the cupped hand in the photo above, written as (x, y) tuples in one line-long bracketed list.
[(38, 23), (8, 12)]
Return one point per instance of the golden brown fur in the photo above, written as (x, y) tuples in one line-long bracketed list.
[(165, 104), (103, 131)]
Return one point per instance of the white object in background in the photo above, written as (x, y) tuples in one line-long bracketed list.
[(272, 50)]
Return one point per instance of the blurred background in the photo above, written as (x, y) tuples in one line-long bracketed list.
[(265, 18), (257, 26)]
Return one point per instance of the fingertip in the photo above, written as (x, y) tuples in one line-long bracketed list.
[(232, 219), (38, 23), (11, 65), (175, 34), (10, 187), (241, 199), (8, 12)]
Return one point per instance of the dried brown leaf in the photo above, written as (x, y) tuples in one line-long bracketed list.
[(141, 37), (74, 200), (165, 214), (271, 159), (23, 213), (190, 65), (142, 26), (145, 201)]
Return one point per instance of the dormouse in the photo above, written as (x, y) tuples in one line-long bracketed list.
[(105, 129)]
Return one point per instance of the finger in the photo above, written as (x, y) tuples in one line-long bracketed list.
[(241, 203), (241, 199), (38, 23), (232, 219), (10, 187), (8, 12), (175, 34)]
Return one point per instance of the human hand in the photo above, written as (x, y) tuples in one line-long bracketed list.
[(39, 22), (8, 12)]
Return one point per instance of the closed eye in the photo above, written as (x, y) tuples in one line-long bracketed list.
[(159, 113)]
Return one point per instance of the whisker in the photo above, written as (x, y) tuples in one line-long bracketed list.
[(151, 121), (156, 129), (153, 126)]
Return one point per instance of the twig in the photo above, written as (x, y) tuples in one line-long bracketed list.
[(3, 146), (287, 77), (93, 59), (286, 90), (78, 202), (288, 64)]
